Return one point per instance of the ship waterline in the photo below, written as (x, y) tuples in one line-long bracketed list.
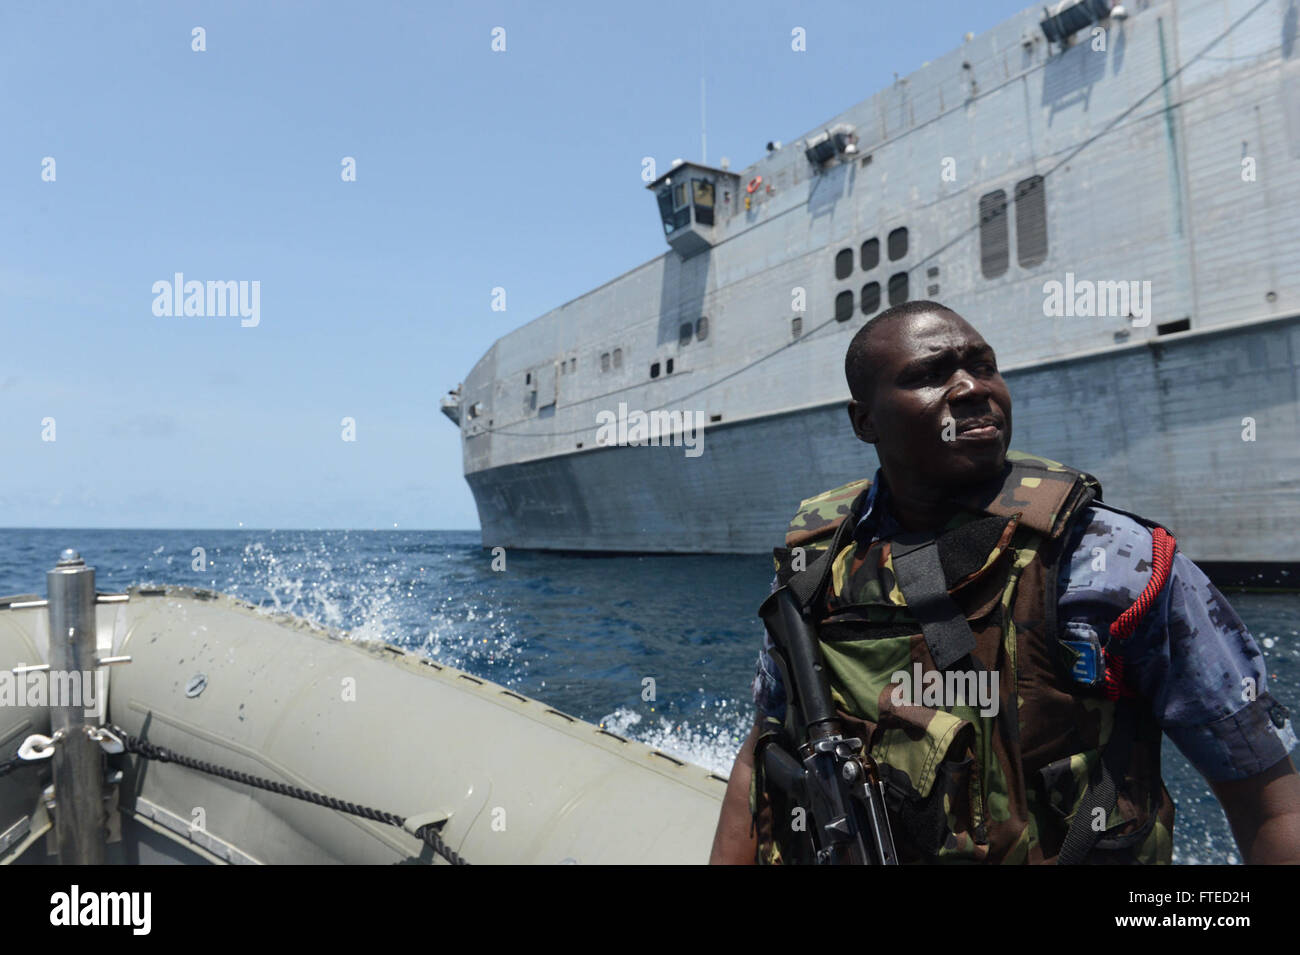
[(1168, 464)]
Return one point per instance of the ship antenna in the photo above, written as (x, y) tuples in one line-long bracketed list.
[(704, 143)]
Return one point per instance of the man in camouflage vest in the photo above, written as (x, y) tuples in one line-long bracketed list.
[(1017, 718)]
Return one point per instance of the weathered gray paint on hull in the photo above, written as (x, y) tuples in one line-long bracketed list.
[(1182, 461)]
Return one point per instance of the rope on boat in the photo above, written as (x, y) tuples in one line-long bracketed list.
[(428, 833), (44, 746), (9, 765)]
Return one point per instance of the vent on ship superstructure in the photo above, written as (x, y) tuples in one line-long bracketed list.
[(1031, 222), (995, 247), (840, 140), (870, 254), (870, 298), (1070, 16)]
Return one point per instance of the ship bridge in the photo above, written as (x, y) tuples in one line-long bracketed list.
[(690, 198)]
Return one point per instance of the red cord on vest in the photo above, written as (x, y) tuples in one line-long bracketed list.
[(1162, 559), (1115, 687)]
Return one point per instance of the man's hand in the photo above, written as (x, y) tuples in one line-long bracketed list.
[(1264, 813), (732, 843)]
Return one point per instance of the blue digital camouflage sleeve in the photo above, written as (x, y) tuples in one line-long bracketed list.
[(769, 693), (1192, 659)]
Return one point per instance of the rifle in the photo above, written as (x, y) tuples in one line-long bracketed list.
[(837, 783)]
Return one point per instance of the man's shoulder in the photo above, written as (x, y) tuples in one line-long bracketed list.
[(1110, 558), (818, 516)]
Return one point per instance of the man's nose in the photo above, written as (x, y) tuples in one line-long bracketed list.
[(965, 386)]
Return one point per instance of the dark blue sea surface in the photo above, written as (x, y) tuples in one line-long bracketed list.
[(584, 634)]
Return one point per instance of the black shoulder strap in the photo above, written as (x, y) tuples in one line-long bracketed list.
[(921, 579)]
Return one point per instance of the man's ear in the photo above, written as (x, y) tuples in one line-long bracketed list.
[(860, 418)]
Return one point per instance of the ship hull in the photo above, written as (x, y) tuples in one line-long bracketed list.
[(1198, 432)]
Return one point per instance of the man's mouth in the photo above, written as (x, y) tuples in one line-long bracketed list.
[(985, 428)]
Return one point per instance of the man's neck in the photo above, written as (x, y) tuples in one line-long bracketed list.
[(919, 507)]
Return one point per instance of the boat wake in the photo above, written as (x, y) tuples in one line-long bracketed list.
[(710, 742)]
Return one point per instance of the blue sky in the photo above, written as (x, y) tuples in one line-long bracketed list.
[(474, 169)]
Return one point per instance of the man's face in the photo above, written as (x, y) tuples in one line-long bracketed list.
[(940, 413)]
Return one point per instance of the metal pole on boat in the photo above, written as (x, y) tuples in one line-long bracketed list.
[(78, 760)]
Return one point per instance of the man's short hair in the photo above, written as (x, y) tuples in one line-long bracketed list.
[(859, 363)]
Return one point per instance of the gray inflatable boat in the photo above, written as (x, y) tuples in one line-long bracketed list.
[(180, 725)]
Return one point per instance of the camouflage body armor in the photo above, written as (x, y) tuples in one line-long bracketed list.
[(962, 786)]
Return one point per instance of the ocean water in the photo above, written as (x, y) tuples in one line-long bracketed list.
[(591, 636)]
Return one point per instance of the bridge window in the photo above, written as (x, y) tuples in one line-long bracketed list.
[(604, 362), (668, 367), (654, 370), (702, 328), (703, 194), (897, 244), (1031, 222), (898, 288), (796, 326), (843, 263), (870, 298), (618, 358), (674, 207), (684, 334), (995, 252), (665, 198), (843, 306), (870, 254)]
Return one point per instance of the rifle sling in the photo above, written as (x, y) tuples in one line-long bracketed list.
[(1083, 835)]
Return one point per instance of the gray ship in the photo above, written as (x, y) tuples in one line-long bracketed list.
[(1110, 194)]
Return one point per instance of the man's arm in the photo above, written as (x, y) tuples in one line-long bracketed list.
[(1202, 674), (734, 843), (1242, 755), (1264, 813)]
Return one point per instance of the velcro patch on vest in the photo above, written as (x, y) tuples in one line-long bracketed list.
[(968, 555), (966, 549)]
